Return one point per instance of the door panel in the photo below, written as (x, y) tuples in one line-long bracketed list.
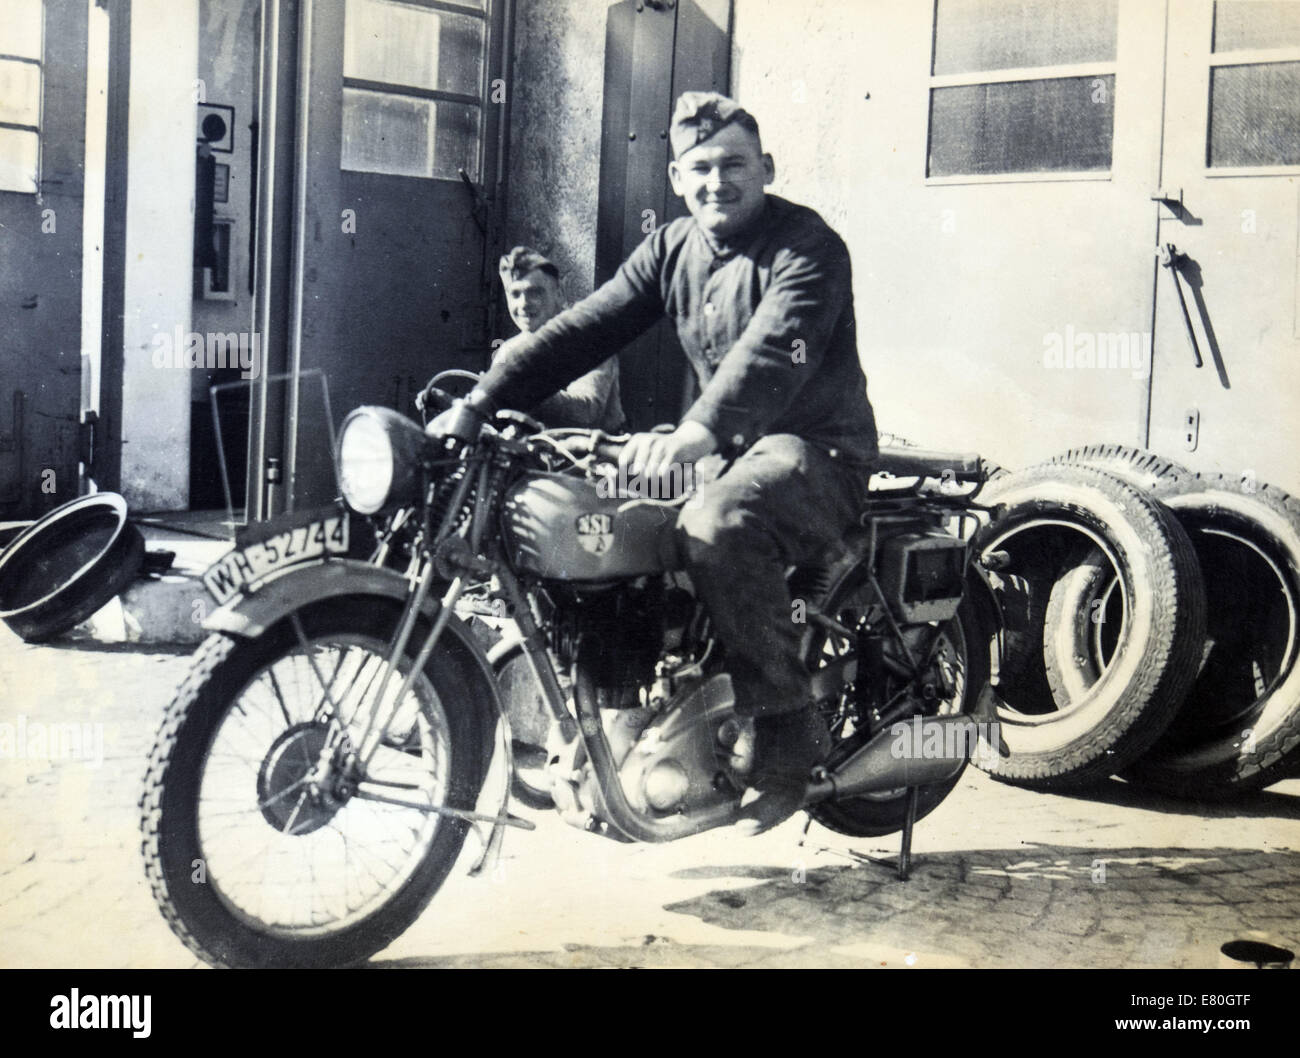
[(42, 163), (1015, 188), (692, 40), (1232, 148), (394, 286)]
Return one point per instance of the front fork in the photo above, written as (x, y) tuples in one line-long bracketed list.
[(532, 640), (342, 765)]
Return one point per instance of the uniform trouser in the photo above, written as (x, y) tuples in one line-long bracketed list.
[(778, 505)]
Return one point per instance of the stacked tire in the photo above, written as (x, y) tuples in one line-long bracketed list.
[(1238, 727), (1055, 525), (1151, 624), (62, 568)]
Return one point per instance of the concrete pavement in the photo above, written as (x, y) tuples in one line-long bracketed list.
[(1003, 877)]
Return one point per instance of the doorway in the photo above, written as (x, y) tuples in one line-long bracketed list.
[(226, 103)]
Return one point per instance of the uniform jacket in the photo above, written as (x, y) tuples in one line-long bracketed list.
[(766, 322)]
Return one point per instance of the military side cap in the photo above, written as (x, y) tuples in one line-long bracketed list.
[(524, 259), (699, 115)]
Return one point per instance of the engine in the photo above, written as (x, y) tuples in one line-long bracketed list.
[(671, 728), (615, 634)]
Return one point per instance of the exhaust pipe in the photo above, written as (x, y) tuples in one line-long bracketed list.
[(915, 752)]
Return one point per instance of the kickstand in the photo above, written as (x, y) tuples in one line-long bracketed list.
[(904, 863), (909, 821)]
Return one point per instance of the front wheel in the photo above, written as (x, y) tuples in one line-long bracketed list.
[(257, 854)]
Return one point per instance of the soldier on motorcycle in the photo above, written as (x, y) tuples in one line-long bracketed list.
[(760, 292)]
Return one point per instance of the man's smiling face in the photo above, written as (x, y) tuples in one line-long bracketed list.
[(533, 300), (722, 180)]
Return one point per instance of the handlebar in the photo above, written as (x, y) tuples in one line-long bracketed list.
[(609, 451), (594, 443), (437, 396)]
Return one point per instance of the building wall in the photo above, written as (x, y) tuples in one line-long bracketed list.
[(556, 98), (159, 251), (840, 88), (954, 286)]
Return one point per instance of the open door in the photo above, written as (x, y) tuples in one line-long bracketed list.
[(396, 136)]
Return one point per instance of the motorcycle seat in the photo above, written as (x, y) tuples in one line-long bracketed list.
[(929, 463)]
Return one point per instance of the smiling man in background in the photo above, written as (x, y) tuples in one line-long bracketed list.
[(534, 297)]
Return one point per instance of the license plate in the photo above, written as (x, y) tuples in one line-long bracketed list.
[(256, 561)]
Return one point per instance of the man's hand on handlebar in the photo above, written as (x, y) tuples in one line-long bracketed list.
[(463, 420), (433, 398), (652, 456)]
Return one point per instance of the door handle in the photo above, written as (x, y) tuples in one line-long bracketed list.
[(1170, 258)]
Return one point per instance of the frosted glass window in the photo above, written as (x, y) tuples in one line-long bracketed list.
[(457, 141), (461, 58), (388, 133), (19, 151), (405, 136), (412, 89), (976, 35), (20, 28), (390, 42), (415, 47), (1062, 124), (1255, 114), (20, 92), (1240, 25)]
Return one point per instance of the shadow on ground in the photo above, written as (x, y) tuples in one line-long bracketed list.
[(1261, 804), (85, 645), (1034, 906)]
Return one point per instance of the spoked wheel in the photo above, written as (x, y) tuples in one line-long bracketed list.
[(954, 672), (267, 840)]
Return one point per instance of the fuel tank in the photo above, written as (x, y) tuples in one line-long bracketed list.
[(560, 527)]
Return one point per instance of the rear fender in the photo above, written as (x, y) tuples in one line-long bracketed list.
[(982, 594)]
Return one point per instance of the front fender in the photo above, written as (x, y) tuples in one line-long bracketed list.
[(249, 616)]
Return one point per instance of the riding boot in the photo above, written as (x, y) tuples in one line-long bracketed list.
[(787, 747)]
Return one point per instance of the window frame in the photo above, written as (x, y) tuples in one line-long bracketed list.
[(479, 101), (1246, 57), (39, 63), (1056, 71)]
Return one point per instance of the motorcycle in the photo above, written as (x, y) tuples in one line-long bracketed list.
[(316, 775)]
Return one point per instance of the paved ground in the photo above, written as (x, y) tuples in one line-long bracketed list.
[(1004, 877)]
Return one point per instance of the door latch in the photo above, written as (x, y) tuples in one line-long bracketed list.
[(1170, 258)]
